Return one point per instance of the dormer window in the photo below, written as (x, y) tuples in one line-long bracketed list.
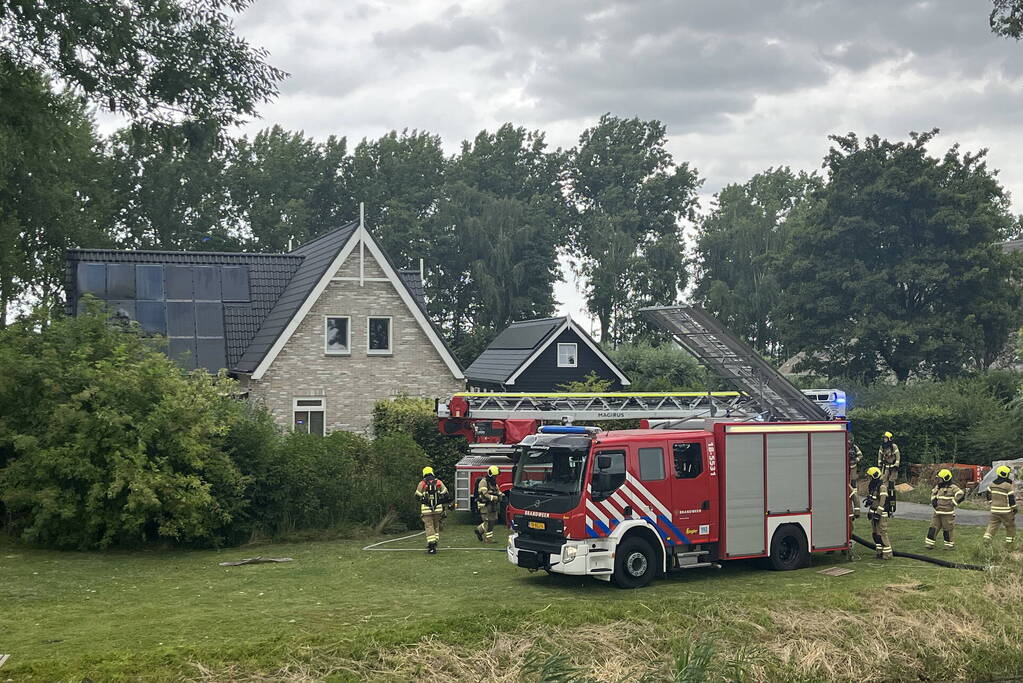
[(568, 355)]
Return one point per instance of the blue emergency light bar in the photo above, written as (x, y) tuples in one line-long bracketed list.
[(555, 429)]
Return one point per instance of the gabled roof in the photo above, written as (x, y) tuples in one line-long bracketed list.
[(1013, 245), (317, 256), (515, 349), (281, 288)]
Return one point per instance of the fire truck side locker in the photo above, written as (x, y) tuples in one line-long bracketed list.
[(782, 473)]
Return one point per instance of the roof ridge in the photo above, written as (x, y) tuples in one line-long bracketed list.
[(268, 254), (329, 233)]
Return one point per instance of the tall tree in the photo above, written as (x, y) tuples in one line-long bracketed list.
[(896, 265), (286, 186), (501, 222), (632, 198), (399, 178), (1006, 18), (52, 189), (737, 251), (149, 59), (170, 188)]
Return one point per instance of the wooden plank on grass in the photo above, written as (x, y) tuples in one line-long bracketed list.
[(3, 659)]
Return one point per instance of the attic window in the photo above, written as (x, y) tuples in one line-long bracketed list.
[(379, 333), (337, 335), (568, 355)]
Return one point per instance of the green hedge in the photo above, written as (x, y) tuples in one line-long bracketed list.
[(417, 417)]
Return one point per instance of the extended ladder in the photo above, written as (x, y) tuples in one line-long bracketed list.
[(732, 359), (601, 406)]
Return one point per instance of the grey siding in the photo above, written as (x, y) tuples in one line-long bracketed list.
[(544, 375)]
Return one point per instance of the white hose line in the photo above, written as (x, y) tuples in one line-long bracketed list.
[(373, 546)]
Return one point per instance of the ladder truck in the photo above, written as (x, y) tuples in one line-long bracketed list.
[(756, 473)]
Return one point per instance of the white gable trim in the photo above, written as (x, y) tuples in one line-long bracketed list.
[(306, 306), (410, 304), (570, 324), (363, 240)]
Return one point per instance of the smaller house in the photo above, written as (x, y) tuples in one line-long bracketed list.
[(540, 356)]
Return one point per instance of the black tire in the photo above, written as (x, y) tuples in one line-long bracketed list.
[(635, 563), (788, 549)]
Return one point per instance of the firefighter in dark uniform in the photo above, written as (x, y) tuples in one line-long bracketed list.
[(488, 501), (945, 499), (879, 510), (888, 459), (432, 496), (855, 456), (1003, 506)]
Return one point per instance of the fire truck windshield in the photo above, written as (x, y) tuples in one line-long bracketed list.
[(552, 468)]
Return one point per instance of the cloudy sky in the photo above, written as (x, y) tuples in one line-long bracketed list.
[(742, 86)]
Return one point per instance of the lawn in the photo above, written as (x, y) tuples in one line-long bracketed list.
[(340, 613)]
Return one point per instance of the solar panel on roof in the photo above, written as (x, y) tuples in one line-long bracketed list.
[(121, 280), (207, 283), (179, 282), (209, 319), (210, 354), (152, 316), (183, 352), (180, 319), (235, 283), (92, 279), (149, 282), (526, 336)]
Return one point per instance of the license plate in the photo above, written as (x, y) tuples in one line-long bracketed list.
[(537, 525)]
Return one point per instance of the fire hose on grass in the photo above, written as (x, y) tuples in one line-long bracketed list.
[(924, 558)]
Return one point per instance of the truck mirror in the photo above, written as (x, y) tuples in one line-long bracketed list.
[(603, 462)]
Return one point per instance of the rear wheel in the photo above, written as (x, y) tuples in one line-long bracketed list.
[(788, 549), (635, 563)]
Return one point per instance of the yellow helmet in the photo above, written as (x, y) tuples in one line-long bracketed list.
[(493, 470), (427, 470), (888, 435), (1003, 471), (945, 475), (874, 472)]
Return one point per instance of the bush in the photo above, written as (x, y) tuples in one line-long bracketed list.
[(973, 420), (417, 418), (105, 441), (659, 368)]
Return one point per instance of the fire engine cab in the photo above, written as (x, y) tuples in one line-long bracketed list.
[(628, 506)]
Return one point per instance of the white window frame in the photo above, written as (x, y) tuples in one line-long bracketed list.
[(575, 355), (390, 336), (348, 340), (322, 408)]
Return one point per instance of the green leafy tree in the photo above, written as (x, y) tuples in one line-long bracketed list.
[(737, 250), (500, 224), (1006, 18), (398, 177), (170, 188), (53, 191), (284, 186), (895, 266), (591, 383), (148, 59), (627, 242), (105, 441)]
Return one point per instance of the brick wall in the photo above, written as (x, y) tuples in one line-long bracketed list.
[(352, 384)]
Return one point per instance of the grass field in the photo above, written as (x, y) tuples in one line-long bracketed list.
[(340, 613)]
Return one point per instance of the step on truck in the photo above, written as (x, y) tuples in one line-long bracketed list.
[(629, 506)]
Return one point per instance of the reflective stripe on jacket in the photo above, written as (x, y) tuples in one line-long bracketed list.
[(431, 495), (1002, 496)]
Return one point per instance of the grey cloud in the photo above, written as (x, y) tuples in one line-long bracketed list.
[(452, 31)]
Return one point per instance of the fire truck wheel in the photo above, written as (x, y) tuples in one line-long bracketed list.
[(788, 549), (635, 563)]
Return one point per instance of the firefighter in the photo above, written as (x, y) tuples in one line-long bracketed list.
[(432, 495), (877, 504), (945, 498), (488, 500), (855, 456), (1003, 506), (888, 459)]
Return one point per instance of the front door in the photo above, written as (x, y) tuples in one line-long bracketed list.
[(693, 473)]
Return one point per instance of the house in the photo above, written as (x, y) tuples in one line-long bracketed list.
[(540, 356), (317, 335)]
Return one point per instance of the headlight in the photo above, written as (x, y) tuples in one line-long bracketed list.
[(568, 553)]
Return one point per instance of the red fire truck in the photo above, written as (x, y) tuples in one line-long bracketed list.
[(628, 506)]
